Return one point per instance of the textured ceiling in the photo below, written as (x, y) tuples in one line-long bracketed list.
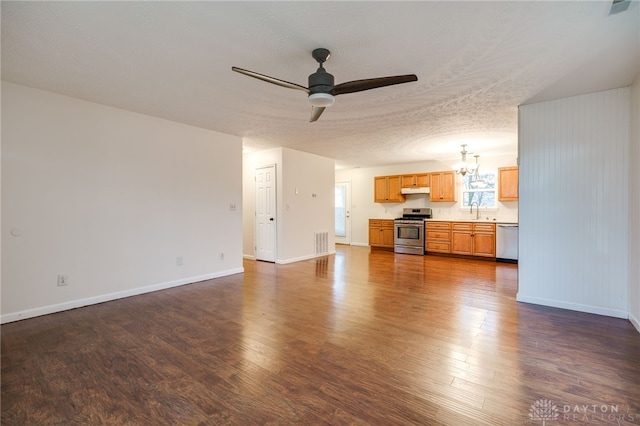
[(475, 62)]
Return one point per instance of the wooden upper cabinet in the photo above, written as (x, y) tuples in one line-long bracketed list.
[(508, 183), (381, 189), (387, 189), (443, 187), (415, 181), (407, 181)]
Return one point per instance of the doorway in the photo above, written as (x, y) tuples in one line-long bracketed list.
[(265, 220), (343, 213)]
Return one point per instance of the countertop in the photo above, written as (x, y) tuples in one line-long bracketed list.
[(482, 220)]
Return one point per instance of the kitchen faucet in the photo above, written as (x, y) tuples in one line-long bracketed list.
[(477, 209)]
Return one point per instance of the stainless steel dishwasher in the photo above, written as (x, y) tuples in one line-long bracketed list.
[(507, 242)]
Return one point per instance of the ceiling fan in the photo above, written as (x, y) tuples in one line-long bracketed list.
[(321, 88)]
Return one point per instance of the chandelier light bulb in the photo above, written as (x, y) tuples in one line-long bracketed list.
[(462, 168)]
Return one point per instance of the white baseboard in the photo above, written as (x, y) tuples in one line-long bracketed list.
[(616, 313), (248, 257), (635, 322), (301, 258), (72, 304), (360, 244)]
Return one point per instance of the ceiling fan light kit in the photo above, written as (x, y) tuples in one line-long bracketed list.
[(321, 99), (322, 91)]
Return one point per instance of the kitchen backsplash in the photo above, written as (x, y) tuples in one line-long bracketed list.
[(505, 212)]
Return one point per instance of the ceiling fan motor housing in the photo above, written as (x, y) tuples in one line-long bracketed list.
[(321, 82)]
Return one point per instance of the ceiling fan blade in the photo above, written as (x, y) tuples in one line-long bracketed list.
[(371, 83), (316, 112), (270, 79)]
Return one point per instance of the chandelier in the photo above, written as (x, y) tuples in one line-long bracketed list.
[(475, 181), (462, 168)]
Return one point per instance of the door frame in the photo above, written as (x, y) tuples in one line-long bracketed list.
[(273, 200), (348, 208)]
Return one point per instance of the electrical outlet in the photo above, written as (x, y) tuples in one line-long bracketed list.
[(232, 207), (179, 261), (221, 256), (63, 280)]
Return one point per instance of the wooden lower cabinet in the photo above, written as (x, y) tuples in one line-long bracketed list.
[(473, 239), (381, 233), (461, 239), (438, 237)]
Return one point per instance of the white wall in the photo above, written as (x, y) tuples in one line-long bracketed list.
[(304, 206), (574, 210), (364, 208), (634, 208), (110, 198)]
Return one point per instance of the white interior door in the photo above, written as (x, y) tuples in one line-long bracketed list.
[(343, 212), (265, 224)]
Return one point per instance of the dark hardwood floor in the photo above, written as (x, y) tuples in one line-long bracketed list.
[(361, 338)]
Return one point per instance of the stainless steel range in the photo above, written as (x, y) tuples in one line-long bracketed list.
[(409, 231)]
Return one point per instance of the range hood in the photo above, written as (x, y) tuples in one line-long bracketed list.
[(414, 191)]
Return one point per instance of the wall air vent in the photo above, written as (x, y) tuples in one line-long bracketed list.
[(321, 242), (618, 6)]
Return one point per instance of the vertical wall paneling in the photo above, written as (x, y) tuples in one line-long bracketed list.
[(634, 207), (574, 202)]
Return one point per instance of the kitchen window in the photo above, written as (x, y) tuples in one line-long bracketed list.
[(480, 188)]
